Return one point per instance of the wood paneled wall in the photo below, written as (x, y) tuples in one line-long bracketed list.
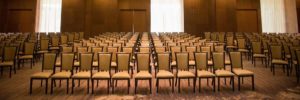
[(18, 15), (222, 15), (96, 16)]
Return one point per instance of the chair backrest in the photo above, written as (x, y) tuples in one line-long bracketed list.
[(96, 50), (67, 49), (191, 50), (229, 41), (143, 62), (63, 39), (9, 53), (163, 61), (236, 60), (201, 60), (29, 48), (256, 48), (86, 61), (104, 60), (123, 60), (182, 60), (218, 60), (206, 49), (219, 48), (54, 41), (160, 49), (207, 35), (174, 50), (49, 61), (67, 61), (221, 37), (114, 51), (44, 44), (81, 50), (144, 49), (241, 43), (70, 37), (276, 51)]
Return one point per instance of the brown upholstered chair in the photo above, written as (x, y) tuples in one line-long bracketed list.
[(104, 71), (122, 71), (47, 70), (163, 69), (66, 70), (143, 69), (182, 59), (237, 68), (202, 68), (219, 69), (85, 70)]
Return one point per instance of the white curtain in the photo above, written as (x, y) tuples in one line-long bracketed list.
[(273, 16), (167, 16), (48, 15)]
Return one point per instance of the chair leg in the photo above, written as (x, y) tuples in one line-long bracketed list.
[(136, 83), (194, 85), (157, 85), (150, 81), (214, 83), (30, 86), (239, 83), (218, 83), (253, 88), (92, 86), (178, 85), (232, 83), (67, 86), (128, 86), (46, 86), (199, 81)]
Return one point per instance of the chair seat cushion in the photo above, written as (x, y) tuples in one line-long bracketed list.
[(7, 63), (95, 63), (101, 75), (54, 48), (204, 73), (113, 64), (210, 63), (266, 51), (42, 75), (288, 56), (121, 75), (26, 57), (295, 62), (243, 50), (43, 51), (231, 47), (57, 63), (82, 75), (62, 75), (76, 63), (192, 63), (259, 56), (143, 75), (242, 72), (227, 62), (223, 73), (164, 74), (185, 74), (279, 61), (173, 63)]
